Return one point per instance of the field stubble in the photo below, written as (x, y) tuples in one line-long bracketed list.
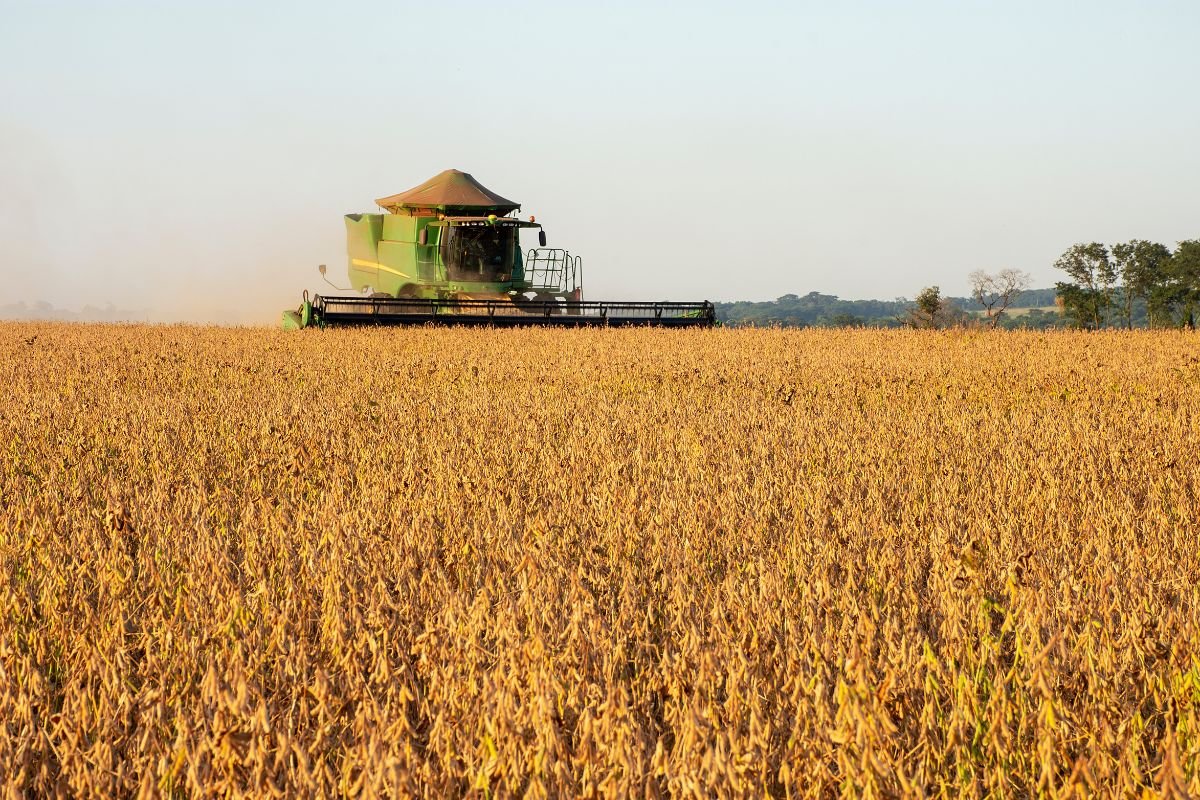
[(618, 563)]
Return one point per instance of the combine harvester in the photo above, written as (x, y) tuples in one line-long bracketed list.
[(449, 253)]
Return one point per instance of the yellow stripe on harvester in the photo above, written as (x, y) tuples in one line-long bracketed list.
[(358, 262)]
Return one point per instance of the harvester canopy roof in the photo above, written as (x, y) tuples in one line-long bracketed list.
[(449, 189)]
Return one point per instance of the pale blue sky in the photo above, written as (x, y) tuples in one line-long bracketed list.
[(189, 156)]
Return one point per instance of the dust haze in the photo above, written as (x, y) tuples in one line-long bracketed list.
[(70, 250)]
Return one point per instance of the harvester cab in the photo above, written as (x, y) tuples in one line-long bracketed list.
[(449, 252)]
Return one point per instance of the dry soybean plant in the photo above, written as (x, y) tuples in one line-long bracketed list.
[(625, 563)]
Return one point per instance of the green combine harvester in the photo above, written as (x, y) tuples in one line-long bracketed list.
[(448, 252)]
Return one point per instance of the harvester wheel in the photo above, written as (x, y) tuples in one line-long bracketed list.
[(305, 311)]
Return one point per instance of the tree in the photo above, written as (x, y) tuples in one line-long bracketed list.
[(1142, 266), (997, 292), (1163, 301), (1184, 272), (1090, 295), (844, 320), (924, 312), (931, 310)]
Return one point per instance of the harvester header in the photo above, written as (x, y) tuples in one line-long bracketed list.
[(449, 252)]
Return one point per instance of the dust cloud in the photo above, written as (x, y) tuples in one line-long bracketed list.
[(27, 269), (73, 248)]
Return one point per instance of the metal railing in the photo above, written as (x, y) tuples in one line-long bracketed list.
[(553, 269)]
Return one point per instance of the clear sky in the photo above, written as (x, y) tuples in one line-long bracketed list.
[(190, 157)]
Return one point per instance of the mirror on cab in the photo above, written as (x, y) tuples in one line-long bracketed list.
[(321, 268), (423, 236), (542, 238)]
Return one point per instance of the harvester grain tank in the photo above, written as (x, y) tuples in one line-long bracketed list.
[(449, 252)]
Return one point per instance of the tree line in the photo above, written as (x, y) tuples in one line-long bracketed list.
[(1109, 284), (1132, 284), (1034, 308)]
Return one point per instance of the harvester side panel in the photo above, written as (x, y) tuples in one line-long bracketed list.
[(363, 233)]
